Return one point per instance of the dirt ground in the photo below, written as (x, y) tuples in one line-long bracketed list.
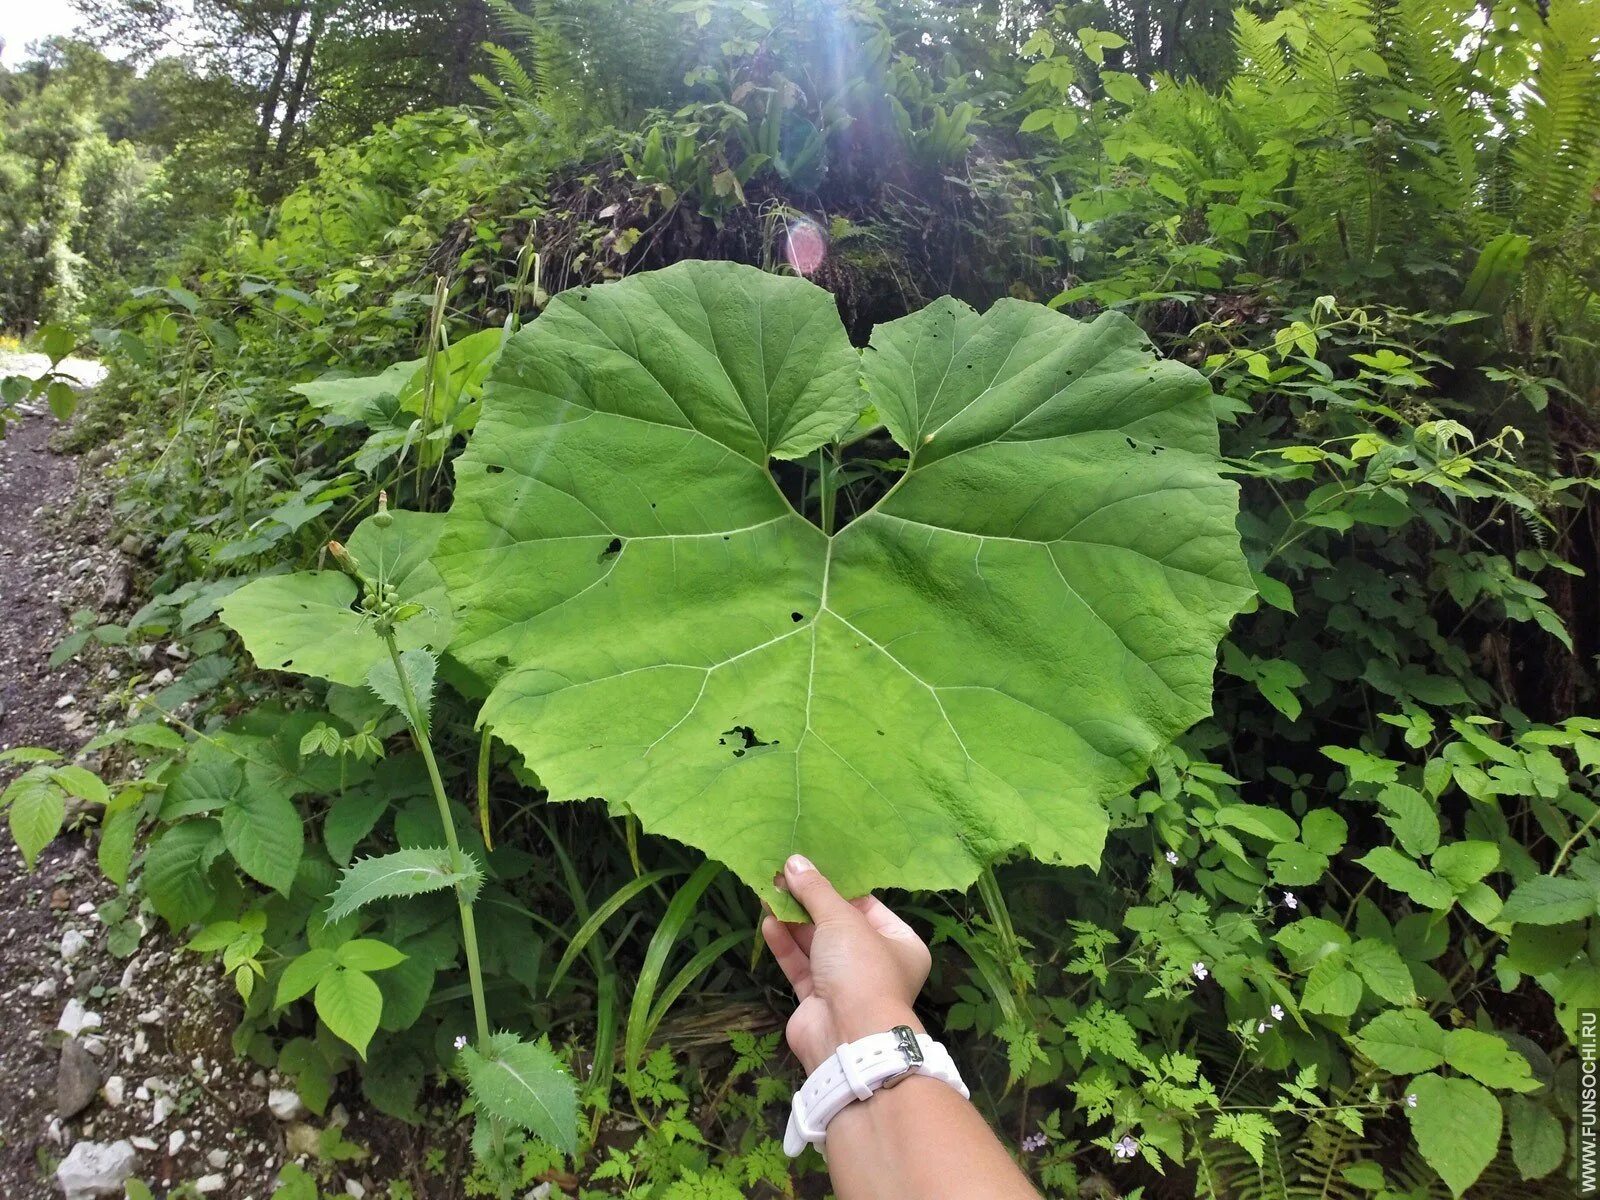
[(152, 1048)]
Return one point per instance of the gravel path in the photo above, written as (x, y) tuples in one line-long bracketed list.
[(151, 1071)]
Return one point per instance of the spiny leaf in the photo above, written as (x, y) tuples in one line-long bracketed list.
[(419, 666), (524, 1083), (403, 873)]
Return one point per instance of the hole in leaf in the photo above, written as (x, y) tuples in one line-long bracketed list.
[(1129, 440), (614, 546), (495, 468), (795, 616), (747, 740)]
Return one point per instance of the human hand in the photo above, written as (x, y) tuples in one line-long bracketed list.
[(856, 969)]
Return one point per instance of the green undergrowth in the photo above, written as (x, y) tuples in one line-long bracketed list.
[(1318, 922)]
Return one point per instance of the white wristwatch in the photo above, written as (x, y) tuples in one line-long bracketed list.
[(858, 1069)]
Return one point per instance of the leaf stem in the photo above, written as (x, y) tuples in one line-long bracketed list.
[(469, 932)]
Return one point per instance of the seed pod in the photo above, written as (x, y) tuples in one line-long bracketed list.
[(382, 518)]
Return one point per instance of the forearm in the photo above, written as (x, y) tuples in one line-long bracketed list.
[(919, 1141)]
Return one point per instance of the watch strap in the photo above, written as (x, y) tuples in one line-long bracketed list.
[(858, 1069)]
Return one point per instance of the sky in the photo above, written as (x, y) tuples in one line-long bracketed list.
[(24, 21)]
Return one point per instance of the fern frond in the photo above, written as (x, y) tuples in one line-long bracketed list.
[(1556, 156)]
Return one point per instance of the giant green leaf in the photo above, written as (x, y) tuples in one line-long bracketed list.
[(973, 666), (307, 622)]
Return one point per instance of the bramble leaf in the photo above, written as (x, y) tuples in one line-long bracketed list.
[(974, 665), (1403, 1041), (36, 808), (350, 1005), (1457, 1126), (1549, 900), (176, 871), (263, 831)]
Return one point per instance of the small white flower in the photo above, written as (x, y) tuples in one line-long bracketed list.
[(1200, 971), (1290, 900), (1263, 1026), (1411, 1100), (461, 1041), (1172, 857), (1126, 1148), (1277, 1012)]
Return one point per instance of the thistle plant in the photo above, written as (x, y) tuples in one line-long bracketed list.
[(381, 633)]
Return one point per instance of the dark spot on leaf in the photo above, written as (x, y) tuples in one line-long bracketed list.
[(614, 546), (287, 663), (1130, 441), (795, 616), (748, 740), (495, 468)]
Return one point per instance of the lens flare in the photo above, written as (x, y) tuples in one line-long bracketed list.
[(805, 245)]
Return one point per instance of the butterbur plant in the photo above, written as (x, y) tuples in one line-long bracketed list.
[(707, 558), (511, 1080)]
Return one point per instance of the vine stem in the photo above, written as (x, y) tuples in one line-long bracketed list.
[(469, 931)]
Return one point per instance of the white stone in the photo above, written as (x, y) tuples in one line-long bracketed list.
[(353, 1187), (217, 1158), (73, 943), (160, 1110), (68, 701), (93, 1169), (114, 1090), (175, 1141), (75, 1018), (86, 908), (207, 1184), (162, 677), (285, 1104), (148, 1145), (45, 989)]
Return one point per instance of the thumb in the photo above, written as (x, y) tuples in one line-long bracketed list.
[(816, 895)]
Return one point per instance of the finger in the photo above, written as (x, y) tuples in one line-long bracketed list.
[(812, 889), (884, 919), (802, 934), (792, 960)]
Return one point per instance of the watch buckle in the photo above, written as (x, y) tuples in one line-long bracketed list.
[(910, 1049)]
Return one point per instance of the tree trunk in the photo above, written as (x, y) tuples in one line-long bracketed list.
[(297, 91), (471, 28), (269, 103)]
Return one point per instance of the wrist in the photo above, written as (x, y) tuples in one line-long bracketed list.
[(851, 1022)]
